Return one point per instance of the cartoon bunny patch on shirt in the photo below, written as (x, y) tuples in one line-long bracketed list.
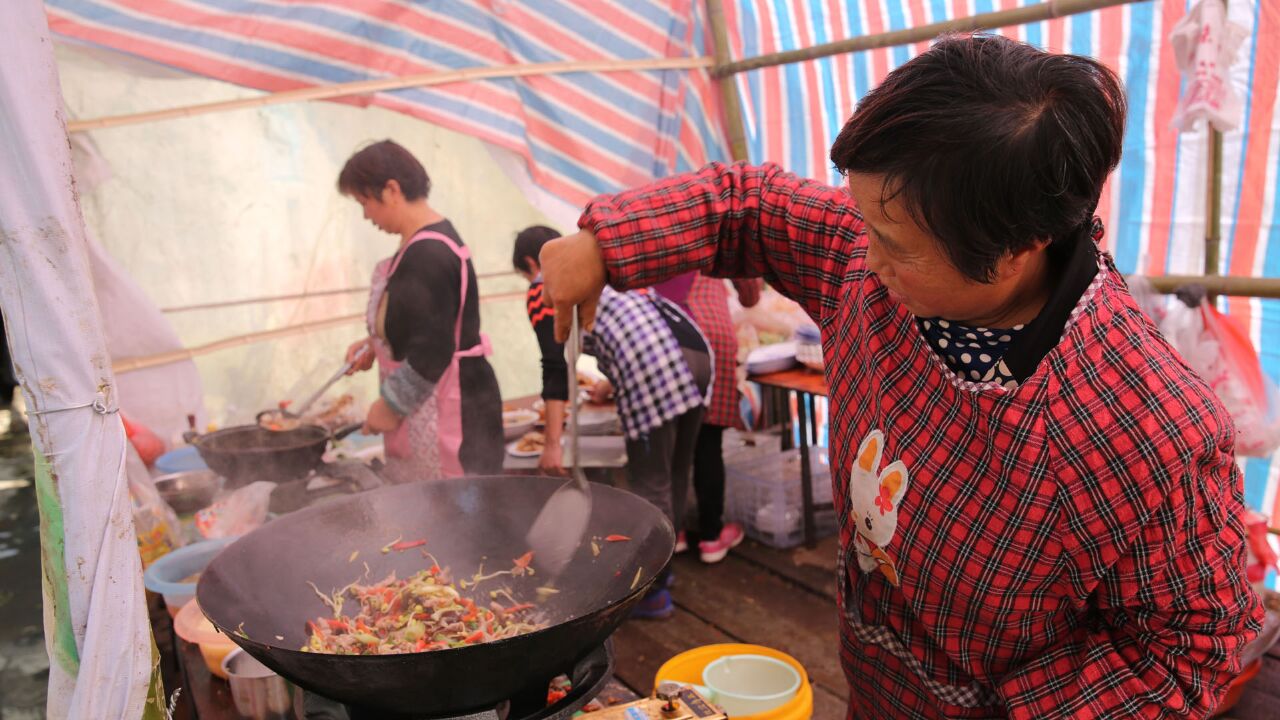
[(874, 495)]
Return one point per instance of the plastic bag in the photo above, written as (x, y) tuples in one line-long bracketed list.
[(236, 513), (155, 523), (1221, 353), (148, 444)]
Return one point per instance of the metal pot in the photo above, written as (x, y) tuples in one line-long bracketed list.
[(189, 490), (258, 693)]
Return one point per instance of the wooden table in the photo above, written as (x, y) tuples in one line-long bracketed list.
[(807, 385)]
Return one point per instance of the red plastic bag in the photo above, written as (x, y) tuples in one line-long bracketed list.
[(1234, 372), (148, 444)]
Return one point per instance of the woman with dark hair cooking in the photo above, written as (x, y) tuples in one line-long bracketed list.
[(439, 405), (1038, 502)]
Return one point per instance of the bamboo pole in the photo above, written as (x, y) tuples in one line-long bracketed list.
[(147, 361), (138, 363), (1220, 285), (735, 127), (263, 300), (923, 33), (365, 87), (297, 296)]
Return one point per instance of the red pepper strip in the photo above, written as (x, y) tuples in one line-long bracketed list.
[(518, 608), (616, 538), (435, 570), (524, 560), (407, 545), (420, 645), (362, 627), (474, 637), (337, 624), (470, 616), (421, 616)]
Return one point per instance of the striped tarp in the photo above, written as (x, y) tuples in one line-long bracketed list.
[(1154, 206), (581, 133), (587, 133)]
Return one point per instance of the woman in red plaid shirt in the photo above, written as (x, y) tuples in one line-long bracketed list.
[(1038, 499)]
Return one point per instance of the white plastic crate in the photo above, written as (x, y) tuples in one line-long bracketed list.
[(762, 493)]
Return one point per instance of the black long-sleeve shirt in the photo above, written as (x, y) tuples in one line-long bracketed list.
[(422, 308)]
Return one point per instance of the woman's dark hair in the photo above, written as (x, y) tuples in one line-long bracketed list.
[(367, 172), (991, 144), (529, 242)]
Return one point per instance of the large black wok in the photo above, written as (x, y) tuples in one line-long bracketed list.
[(259, 584)]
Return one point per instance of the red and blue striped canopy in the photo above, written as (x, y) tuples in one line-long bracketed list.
[(587, 133)]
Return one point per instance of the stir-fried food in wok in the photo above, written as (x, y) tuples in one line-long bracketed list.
[(423, 612)]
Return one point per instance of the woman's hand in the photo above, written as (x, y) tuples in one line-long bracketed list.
[(601, 392), (748, 291), (573, 273), (360, 355), (552, 460), (381, 419)]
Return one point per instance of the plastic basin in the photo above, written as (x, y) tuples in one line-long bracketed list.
[(165, 576), (180, 460), (191, 625), (688, 667)]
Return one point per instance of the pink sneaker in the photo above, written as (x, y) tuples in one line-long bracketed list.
[(713, 551), (682, 543)]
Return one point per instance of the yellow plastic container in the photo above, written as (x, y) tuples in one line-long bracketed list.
[(687, 668)]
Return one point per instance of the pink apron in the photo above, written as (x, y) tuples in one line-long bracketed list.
[(431, 436)]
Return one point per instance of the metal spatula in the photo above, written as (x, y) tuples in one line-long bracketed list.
[(558, 530)]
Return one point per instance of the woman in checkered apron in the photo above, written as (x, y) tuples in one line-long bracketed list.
[(1038, 500)]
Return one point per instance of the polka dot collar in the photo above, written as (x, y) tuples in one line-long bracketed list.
[(973, 353)]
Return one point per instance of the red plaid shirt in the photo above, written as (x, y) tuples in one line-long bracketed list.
[(1068, 548)]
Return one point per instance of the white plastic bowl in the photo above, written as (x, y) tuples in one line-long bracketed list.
[(750, 684)]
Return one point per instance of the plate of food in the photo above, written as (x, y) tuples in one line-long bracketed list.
[(530, 445), (516, 423)]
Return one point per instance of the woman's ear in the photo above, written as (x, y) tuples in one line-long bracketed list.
[(1014, 263), (391, 191)]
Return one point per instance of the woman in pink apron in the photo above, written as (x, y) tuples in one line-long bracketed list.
[(424, 330)]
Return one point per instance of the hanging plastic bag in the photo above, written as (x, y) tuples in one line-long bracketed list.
[(1220, 351), (155, 523), (147, 443), (1237, 377), (236, 513)]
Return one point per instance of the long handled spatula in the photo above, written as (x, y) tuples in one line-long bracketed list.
[(558, 530)]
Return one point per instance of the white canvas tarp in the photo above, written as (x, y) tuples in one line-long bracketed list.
[(96, 628)]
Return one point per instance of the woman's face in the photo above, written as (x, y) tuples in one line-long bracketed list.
[(910, 263), (377, 212)]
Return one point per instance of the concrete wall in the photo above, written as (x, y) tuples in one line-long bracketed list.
[(243, 204)]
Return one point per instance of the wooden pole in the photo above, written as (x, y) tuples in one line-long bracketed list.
[(1220, 285), (1213, 206), (735, 127), (124, 365), (366, 87), (262, 300), (923, 33)]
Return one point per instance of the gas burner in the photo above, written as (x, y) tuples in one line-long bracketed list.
[(328, 481), (588, 675)]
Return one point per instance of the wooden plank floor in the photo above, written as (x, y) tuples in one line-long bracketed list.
[(785, 599)]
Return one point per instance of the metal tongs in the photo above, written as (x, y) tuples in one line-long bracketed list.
[(557, 532), (284, 413)]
